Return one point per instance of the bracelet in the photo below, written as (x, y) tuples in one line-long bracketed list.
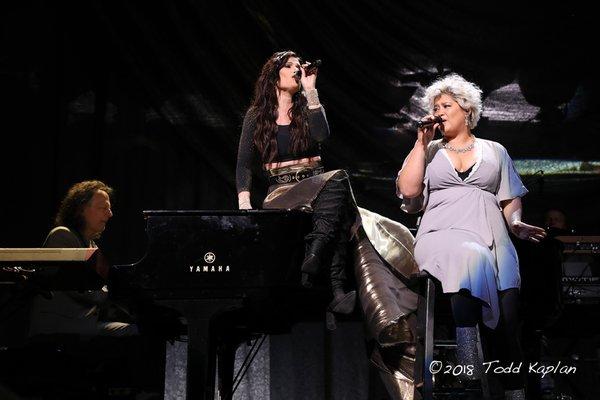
[(312, 98)]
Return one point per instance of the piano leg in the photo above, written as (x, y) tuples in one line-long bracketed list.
[(201, 359), (201, 347), (225, 367)]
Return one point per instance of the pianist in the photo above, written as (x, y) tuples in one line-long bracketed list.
[(281, 134), (80, 220)]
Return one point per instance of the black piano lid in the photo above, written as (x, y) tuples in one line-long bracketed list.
[(164, 213), (193, 252)]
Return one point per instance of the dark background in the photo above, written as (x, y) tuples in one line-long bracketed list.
[(149, 97)]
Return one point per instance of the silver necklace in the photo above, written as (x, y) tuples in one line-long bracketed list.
[(446, 146)]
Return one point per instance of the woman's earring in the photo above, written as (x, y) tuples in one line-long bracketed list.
[(467, 120)]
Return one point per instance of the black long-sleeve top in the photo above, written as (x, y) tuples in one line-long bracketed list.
[(248, 154)]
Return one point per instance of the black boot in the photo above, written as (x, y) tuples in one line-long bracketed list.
[(329, 209), (313, 260), (342, 303)]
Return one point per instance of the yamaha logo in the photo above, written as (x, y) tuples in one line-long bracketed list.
[(209, 258)]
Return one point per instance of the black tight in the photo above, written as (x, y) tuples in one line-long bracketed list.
[(466, 311), (507, 338)]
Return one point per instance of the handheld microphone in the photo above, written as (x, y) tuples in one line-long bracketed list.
[(313, 67), (310, 69), (435, 120)]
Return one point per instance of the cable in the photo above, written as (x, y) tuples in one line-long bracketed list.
[(245, 365)]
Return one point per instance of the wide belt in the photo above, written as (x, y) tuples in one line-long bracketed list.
[(293, 174)]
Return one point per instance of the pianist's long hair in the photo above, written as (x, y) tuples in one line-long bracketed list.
[(264, 107), (71, 208)]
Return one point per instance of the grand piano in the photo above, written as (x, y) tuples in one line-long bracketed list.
[(229, 276)]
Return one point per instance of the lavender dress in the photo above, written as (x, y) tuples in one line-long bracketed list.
[(463, 240)]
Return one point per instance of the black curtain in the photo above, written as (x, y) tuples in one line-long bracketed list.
[(149, 96)]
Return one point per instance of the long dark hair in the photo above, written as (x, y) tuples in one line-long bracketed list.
[(264, 106), (71, 208)]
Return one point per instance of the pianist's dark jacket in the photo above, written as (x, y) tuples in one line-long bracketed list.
[(73, 312)]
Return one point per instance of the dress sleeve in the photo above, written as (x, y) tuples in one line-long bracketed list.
[(510, 185), (246, 155), (414, 205), (317, 124)]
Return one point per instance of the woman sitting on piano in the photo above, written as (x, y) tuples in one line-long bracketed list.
[(282, 131), (284, 127)]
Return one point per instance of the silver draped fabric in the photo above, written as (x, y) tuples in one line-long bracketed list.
[(391, 240), (383, 296)]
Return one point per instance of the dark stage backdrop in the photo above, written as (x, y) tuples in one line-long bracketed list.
[(149, 97)]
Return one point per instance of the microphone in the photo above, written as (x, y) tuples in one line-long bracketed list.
[(310, 69), (435, 120), (313, 67)]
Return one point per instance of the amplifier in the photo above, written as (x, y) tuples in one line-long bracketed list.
[(580, 278), (583, 290), (580, 244)]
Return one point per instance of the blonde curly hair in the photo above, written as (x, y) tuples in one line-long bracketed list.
[(466, 94)]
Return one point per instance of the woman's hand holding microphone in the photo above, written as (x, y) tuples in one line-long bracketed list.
[(427, 127)]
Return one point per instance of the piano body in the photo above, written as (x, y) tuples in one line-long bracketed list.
[(230, 275)]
